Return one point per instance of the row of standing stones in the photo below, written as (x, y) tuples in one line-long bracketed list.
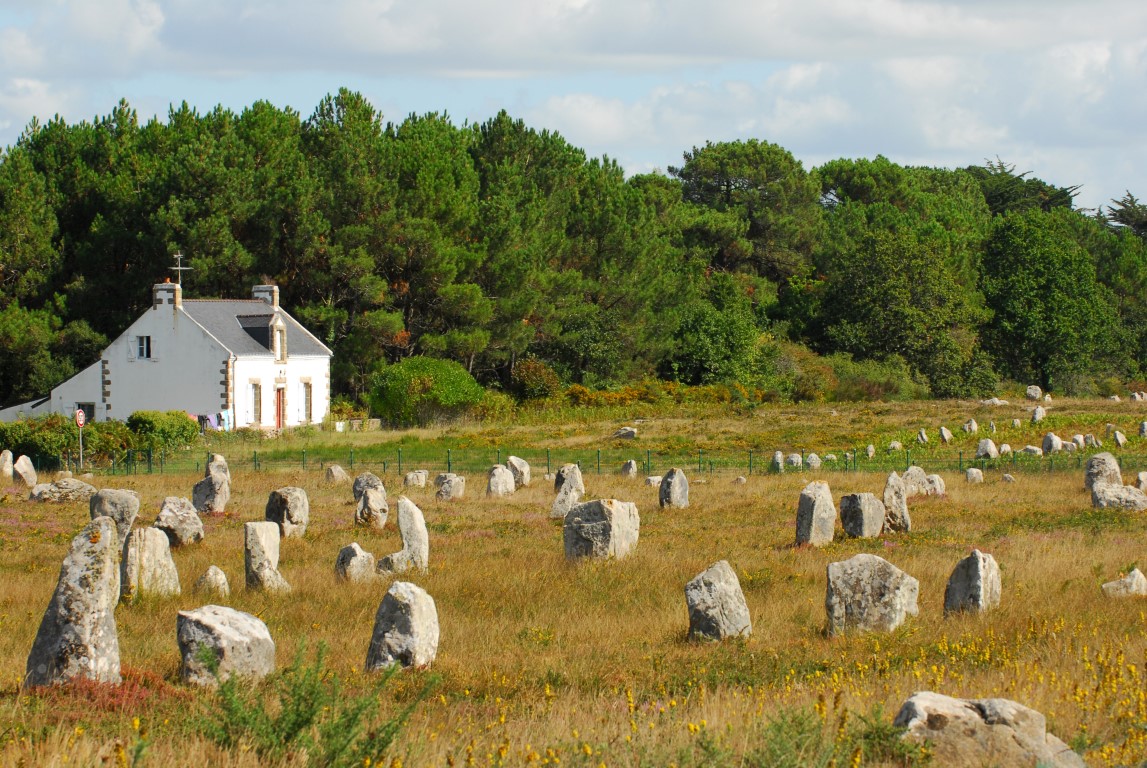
[(77, 637)]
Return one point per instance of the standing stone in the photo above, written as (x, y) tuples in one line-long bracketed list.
[(415, 552), (147, 567), (870, 451), (178, 519), (922, 436), (405, 629), (868, 593), (1141, 481), (63, 490), (629, 470), (364, 481), (812, 461), (992, 427), (778, 464), (1034, 393), (5, 466), (241, 644), (674, 491), (741, 479), (569, 473), (915, 482), (568, 497), (499, 481), (211, 494), (1032, 450), (945, 435), (1051, 443), (22, 469), (603, 528), (1120, 439), (416, 479), (1008, 478), (653, 481), (1078, 441), (354, 564), (121, 506), (816, 515), (896, 517), (213, 582), (1118, 496), (974, 584), (971, 427), (371, 510), (1038, 414), (974, 475), (862, 515), (290, 509), (1133, 584), (625, 433), (261, 557), (936, 486), (520, 469), (1016, 424), (1090, 441), (77, 636), (794, 460), (717, 607), (450, 486), (986, 449), (1143, 429), (1102, 469), (967, 732), (336, 474)]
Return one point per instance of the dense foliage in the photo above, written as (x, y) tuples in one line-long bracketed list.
[(421, 389), (508, 251)]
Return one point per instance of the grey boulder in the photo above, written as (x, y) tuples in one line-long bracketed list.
[(717, 607), (450, 486), (405, 629), (500, 481), (147, 567), (520, 469), (372, 510), (674, 490), (211, 494), (415, 552), (354, 564), (862, 515), (290, 509), (213, 582), (1133, 584), (974, 584), (261, 557), (601, 529), (867, 593), (240, 643), (816, 515), (120, 505), (179, 520)]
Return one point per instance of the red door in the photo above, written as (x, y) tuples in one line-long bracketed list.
[(280, 408)]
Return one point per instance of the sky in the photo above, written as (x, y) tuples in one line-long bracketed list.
[(1057, 88)]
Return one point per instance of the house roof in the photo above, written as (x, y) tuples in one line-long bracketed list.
[(241, 326)]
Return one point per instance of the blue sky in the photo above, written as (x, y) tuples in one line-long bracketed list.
[(1056, 87)]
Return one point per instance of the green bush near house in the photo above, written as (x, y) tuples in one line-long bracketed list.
[(163, 429), (422, 390)]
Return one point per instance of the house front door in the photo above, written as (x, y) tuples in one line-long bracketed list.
[(280, 407)]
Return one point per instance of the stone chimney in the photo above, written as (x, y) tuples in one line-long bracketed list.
[(168, 293), (267, 293)]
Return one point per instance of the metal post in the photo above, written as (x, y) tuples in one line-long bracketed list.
[(449, 461), (304, 458), (648, 463), (700, 460), (149, 461), (255, 460), (499, 461), (352, 458), (750, 462), (907, 459), (802, 460), (400, 461), (548, 470), (961, 461), (599, 461)]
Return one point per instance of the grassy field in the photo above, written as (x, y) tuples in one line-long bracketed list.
[(543, 661)]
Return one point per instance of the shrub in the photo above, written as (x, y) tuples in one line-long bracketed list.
[(44, 436), (534, 380), (885, 380), (495, 406), (163, 429), (420, 390)]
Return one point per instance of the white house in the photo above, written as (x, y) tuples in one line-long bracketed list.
[(237, 362)]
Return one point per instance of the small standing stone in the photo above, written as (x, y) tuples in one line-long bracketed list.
[(241, 644), (717, 607), (1120, 439), (1008, 478), (416, 479), (1121, 496), (945, 435), (261, 557), (24, 470), (862, 515), (915, 482), (974, 475), (674, 491), (1051, 443), (1141, 481), (499, 481), (6, 461), (625, 433), (405, 629), (336, 474), (896, 517), (816, 515), (974, 584), (986, 449), (868, 593), (812, 461), (1034, 393), (569, 473), (211, 494), (600, 529), (372, 510), (1143, 429), (147, 567), (870, 451), (653, 481), (629, 470), (364, 481), (450, 487), (1133, 584), (213, 582), (354, 564), (179, 520), (290, 509), (778, 464), (121, 506), (1102, 469), (520, 469), (971, 427), (1038, 414), (922, 436), (936, 486), (895, 445), (1016, 424), (415, 552), (568, 497)]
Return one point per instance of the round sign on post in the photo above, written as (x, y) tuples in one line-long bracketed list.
[(80, 417)]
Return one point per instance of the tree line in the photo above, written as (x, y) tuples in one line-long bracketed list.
[(496, 245)]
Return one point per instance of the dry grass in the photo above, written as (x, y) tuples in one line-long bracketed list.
[(542, 660)]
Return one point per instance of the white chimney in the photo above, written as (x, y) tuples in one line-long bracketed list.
[(267, 293)]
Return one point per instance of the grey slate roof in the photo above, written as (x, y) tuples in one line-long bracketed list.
[(241, 326)]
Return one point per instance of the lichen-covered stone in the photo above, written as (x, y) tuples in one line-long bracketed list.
[(241, 644), (405, 629), (717, 607), (602, 528)]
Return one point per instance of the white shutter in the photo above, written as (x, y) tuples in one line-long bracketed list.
[(131, 342)]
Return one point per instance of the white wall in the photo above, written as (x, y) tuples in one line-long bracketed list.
[(267, 373)]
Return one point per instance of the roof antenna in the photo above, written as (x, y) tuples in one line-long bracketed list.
[(179, 269)]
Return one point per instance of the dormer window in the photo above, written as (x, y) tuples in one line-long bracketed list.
[(279, 334)]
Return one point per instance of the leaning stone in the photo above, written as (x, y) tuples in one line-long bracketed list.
[(22, 469), (211, 494), (354, 564), (213, 582), (1008, 478), (121, 506), (936, 486), (974, 584), (986, 449), (896, 517), (371, 510), (416, 479), (147, 567), (971, 427), (625, 433), (971, 732), (1133, 584), (1118, 496), (862, 515), (499, 481), (568, 497), (450, 487), (520, 469), (816, 515), (6, 466), (1102, 469), (1091, 441), (1108, 428), (261, 557), (1034, 393), (599, 529), (290, 509), (415, 552), (974, 475), (915, 482), (812, 461), (364, 481), (64, 490), (945, 435), (405, 629), (336, 474), (241, 644), (717, 607), (1120, 439), (922, 436), (1038, 414), (629, 469), (867, 593), (77, 636), (569, 473), (674, 491), (179, 520), (1051, 443)]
